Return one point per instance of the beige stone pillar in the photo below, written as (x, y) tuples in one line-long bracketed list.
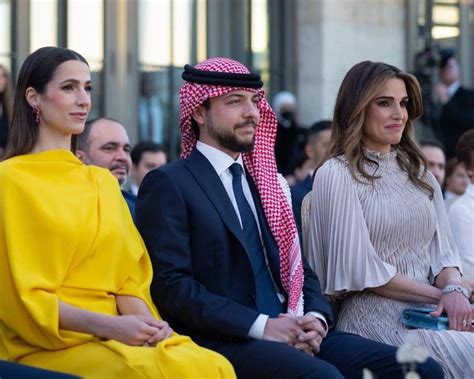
[(333, 35)]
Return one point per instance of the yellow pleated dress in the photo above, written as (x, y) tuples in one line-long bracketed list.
[(66, 234)]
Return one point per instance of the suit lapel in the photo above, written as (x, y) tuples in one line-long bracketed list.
[(209, 181)]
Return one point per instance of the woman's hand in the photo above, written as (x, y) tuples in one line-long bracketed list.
[(458, 309), (164, 332), (133, 306), (135, 330)]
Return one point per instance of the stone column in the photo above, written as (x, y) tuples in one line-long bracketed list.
[(334, 35)]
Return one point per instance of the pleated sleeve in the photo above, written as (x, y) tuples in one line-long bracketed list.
[(443, 249), (340, 250)]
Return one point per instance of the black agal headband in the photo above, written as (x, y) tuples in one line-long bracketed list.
[(227, 79)]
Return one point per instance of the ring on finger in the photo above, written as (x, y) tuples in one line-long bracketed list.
[(146, 344), (464, 322)]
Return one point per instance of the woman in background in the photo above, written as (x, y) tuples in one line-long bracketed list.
[(74, 272), (379, 235)]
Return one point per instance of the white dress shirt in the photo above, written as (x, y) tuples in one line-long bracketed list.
[(453, 88), (449, 199), (133, 187), (461, 220), (221, 163)]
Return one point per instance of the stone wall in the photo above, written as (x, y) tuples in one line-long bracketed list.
[(333, 35)]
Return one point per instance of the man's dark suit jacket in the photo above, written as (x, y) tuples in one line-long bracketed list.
[(203, 283), (457, 117), (131, 200)]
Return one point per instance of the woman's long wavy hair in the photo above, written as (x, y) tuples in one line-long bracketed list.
[(37, 71), (358, 89)]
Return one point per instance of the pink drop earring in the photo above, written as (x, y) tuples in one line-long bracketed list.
[(36, 113)]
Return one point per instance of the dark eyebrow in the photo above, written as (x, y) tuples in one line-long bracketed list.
[(75, 81), (110, 143), (239, 95), (116, 145), (390, 98)]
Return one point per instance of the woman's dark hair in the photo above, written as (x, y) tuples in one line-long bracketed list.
[(359, 88), (37, 71)]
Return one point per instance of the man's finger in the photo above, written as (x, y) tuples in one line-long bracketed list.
[(316, 325), (307, 319), (304, 347), (315, 344), (305, 337)]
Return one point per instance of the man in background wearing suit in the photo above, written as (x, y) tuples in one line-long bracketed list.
[(227, 263), (457, 113)]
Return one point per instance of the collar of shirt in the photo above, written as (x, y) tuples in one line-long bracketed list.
[(453, 88), (133, 187), (218, 159)]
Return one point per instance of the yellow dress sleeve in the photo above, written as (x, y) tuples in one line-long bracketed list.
[(33, 265)]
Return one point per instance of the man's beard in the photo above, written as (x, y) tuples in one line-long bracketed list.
[(122, 179), (229, 140)]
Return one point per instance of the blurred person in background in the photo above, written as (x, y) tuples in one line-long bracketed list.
[(455, 183), (457, 112), (105, 143), (151, 118), (300, 168), (434, 154), (461, 213), (425, 66), (290, 137), (6, 106), (316, 149), (146, 156)]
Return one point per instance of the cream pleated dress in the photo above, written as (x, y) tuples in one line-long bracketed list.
[(362, 234)]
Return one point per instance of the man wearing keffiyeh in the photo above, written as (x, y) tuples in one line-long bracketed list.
[(220, 231)]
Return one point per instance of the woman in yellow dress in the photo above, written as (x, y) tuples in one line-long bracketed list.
[(74, 272)]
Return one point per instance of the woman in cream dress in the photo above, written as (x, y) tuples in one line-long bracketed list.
[(379, 236)]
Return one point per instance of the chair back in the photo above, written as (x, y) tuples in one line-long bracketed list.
[(305, 222)]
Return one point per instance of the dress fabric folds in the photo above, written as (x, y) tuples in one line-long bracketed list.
[(66, 234), (362, 234)]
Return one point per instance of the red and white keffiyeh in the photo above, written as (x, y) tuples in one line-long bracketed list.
[(261, 166)]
